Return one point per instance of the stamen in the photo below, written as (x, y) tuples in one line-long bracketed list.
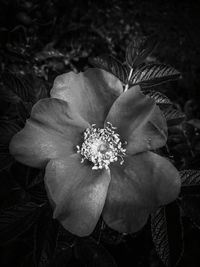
[(101, 146)]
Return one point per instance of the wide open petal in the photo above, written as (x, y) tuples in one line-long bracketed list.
[(144, 182), (77, 193), (139, 121), (150, 135), (91, 92), (53, 130)]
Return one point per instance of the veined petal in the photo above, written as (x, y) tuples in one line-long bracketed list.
[(91, 92), (77, 193), (53, 130), (144, 182), (139, 121)]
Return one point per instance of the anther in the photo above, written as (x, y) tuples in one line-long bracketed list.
[(101, 146)]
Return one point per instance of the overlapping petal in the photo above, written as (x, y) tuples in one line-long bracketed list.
[(91, 92), (78, 193), (53, 130), (139, 121), (144, 182)]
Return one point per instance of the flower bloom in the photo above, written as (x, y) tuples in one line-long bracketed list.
[(96, 143)]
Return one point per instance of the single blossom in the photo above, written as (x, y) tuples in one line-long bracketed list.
[(97, 144)]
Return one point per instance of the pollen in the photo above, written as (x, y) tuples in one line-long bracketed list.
[(101, 146)]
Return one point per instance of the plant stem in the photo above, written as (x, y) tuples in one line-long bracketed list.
[(129, 77)]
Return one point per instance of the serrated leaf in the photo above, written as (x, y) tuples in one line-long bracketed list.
[(153, 74), (190, 182), (167, 234), (173, 116), (191, 207), (159, 98), (112, 65), (20, 85), (138, 50), (92, 254), (16, 220), (190, 177)]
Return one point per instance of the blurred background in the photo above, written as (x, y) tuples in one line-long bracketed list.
[(42, 39)]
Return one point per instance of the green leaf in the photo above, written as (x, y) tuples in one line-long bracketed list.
[(153, 74), (16, 220), (167, 234), (112, 65), (173, 116), (159, 98), (138, 50)]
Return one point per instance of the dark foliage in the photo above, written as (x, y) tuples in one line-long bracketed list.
[(154, 44)]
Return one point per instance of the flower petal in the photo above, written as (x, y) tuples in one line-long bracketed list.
[(91, 92), (149, 136), (53, 130), (139, 121), (78, 193), (144, 182)]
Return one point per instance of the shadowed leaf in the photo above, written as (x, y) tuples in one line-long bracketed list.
[(195, 123), (48, 53), (16, 220), (45, 238), (93, 254), (19, 85), (63, 253), (138, 50), (191, 207), (190, 177), (7, 130), (190, 182), (112, 65), (167, 234), (173, 116), (8, 96)]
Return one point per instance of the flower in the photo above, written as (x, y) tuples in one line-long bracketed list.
[(97, 144)]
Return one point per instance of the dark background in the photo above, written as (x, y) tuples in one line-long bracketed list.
[(41, 39)]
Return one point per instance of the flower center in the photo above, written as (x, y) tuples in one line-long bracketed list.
[(101, 146)]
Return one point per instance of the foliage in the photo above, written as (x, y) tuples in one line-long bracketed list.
[(34, 49)]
